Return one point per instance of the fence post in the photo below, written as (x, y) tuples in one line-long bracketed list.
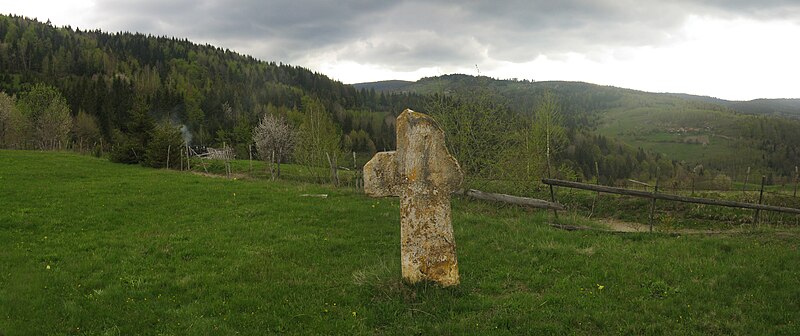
[(760, 198), (746, 177), (250, 154), (653, 204), (334, 174), (552, 192), (225, 157), (553, 199), (188, 158), (169, 147), (356, 172), (795, 182), (597, 182), (272, 166)]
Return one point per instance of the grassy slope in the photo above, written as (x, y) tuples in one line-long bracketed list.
[(133, 250), (647, 127)]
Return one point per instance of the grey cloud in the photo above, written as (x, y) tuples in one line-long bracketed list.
[(409, 53), (405, 35)]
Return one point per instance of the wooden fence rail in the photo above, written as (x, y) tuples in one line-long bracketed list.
[(531, 202), (669, 197)]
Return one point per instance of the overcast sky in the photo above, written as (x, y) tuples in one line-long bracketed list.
[(731, 49)]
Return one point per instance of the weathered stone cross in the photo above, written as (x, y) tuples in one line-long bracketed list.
[(424, 174)]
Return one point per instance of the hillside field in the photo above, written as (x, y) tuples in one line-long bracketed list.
[(692, 135), (95, 248)]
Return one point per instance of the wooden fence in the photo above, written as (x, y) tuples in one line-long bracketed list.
[(530, 202), (655, 195)]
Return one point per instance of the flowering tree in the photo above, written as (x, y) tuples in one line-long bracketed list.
[(274, 140)]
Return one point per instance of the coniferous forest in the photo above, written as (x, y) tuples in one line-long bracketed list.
[(215, 95)]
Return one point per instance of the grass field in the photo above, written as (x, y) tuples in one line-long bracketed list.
[(95, 248), (648, 127)]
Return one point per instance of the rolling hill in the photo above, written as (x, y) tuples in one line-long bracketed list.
[(722, 135), (784, 107), (384, 86)]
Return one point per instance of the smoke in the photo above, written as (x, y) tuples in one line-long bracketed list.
[(187, 135)]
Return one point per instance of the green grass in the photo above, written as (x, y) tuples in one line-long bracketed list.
[(260, 170), (677, 216), (95, 248), (647, 127), (669, 216)]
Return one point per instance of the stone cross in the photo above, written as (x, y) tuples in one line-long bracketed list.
[(424, 174)]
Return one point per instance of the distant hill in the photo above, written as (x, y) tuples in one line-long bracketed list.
[(387, 85), (700, 131), (789, 108), (779, 107)]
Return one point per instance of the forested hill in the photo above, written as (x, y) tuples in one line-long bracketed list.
[(219, 94), (785, 107), (125, 85), (694, 132)]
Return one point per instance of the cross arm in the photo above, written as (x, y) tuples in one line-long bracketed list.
[(381, 176)]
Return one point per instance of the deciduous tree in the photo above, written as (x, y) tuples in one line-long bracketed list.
[(477, 127), (85, 129), (274, 140), (546, 133), (13, 125), (319, 140), (49, 115)]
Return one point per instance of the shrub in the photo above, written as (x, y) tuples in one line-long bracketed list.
[(125, 149)]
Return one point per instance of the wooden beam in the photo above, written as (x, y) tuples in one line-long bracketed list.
[(640, 183), (645, 194), (531, 202)]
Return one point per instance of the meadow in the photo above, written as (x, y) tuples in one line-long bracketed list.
[(705, 138), (96, 248)]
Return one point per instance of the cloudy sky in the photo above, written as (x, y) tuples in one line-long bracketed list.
[(732, 49)]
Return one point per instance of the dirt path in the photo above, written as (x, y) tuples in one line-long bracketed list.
[(622, 226)]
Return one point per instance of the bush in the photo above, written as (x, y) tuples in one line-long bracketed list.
[(125, 149)]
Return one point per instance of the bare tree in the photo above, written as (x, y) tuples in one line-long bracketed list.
[(274, 140)]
